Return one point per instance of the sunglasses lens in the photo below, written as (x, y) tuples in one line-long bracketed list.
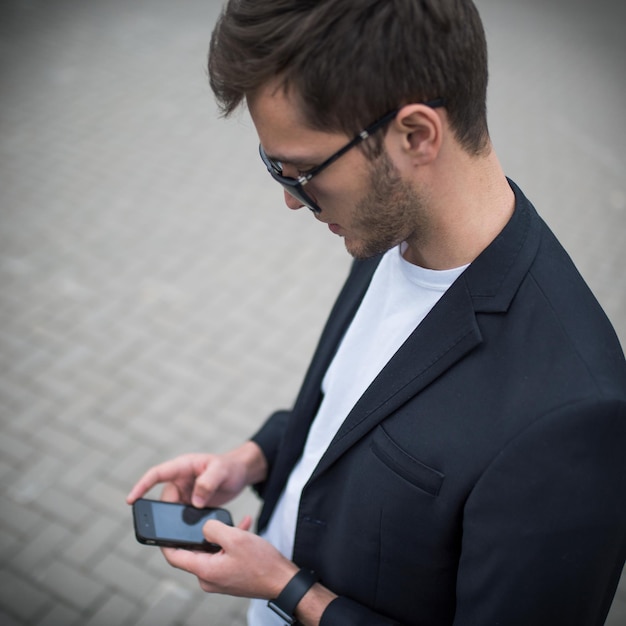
[(289, 184)]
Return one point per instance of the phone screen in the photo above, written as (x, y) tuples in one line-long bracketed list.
[(173, 524), (180, 523)]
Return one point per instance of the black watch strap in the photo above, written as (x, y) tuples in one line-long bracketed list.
[(285, 605)]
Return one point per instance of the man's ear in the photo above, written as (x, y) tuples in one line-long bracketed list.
[(420, 131)]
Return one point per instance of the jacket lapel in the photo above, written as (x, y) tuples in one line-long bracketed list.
[(428, 352)]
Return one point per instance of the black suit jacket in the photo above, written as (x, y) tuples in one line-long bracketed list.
[(481, 478)]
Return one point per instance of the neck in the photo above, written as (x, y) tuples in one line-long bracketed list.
[(469, 201)]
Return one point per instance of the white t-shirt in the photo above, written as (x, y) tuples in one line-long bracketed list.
[(398, 299)]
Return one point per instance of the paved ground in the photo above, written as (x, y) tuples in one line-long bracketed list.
[(156, 298)]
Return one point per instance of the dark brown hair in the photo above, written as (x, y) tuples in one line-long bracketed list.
[(351, 61)]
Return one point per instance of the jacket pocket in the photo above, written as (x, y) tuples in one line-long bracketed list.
[(403, 464)]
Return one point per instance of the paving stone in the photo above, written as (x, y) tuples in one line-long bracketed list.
[(9, 473), (102, 435), (92, 542), (14, 447), (59, 441), (61, 615), (21, 597), (73, 585), (10, 543), (122, 574), (36, 479), (19, 519), (168, 602), (116, 610), (8, 620), (135, 461), (68, 508), (84, 468), (46, 545), (221, 609)]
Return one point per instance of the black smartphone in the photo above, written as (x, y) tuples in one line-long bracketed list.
[(174, 525)]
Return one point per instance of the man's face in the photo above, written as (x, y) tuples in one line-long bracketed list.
[(365, 202)]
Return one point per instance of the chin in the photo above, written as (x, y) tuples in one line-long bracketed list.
[(354, 249), (362, 250)]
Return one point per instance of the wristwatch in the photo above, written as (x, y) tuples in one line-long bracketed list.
[(285, 605)]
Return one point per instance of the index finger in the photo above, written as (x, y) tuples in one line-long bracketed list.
[(187, 560), (162, 473)]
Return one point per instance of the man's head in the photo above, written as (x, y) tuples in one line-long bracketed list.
[(349, 62), (316, 75)]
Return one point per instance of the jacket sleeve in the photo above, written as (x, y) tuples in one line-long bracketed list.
[(544, 530), (345, 612), (268, 438)]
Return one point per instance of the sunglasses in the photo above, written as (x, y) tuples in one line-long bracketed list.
[(295, 186)]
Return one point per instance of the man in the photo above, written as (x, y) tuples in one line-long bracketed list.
[(456, 452)]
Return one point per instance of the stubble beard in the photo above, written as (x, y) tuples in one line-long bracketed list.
[(391, 212)]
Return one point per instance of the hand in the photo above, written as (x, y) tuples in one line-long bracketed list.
[(247, 566), (205, 479)]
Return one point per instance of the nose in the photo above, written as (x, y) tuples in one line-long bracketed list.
[(293, 203)]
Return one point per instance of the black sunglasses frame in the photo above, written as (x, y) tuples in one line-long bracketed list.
[(295, 186)]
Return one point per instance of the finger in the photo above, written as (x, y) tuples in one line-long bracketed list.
[(186, 560), (143, 485), (245, 523), (162, 473), (206, 485), (170, 493), (217, 532)]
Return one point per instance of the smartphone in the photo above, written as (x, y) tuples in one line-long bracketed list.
[(174, 525)]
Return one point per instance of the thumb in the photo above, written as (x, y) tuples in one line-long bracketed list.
[(215, 531), (203, 488), (199, 498), (245, 523)]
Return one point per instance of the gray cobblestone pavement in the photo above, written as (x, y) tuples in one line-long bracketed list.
[(155, 296)]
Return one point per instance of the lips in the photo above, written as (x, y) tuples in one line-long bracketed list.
[(334, 228)]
